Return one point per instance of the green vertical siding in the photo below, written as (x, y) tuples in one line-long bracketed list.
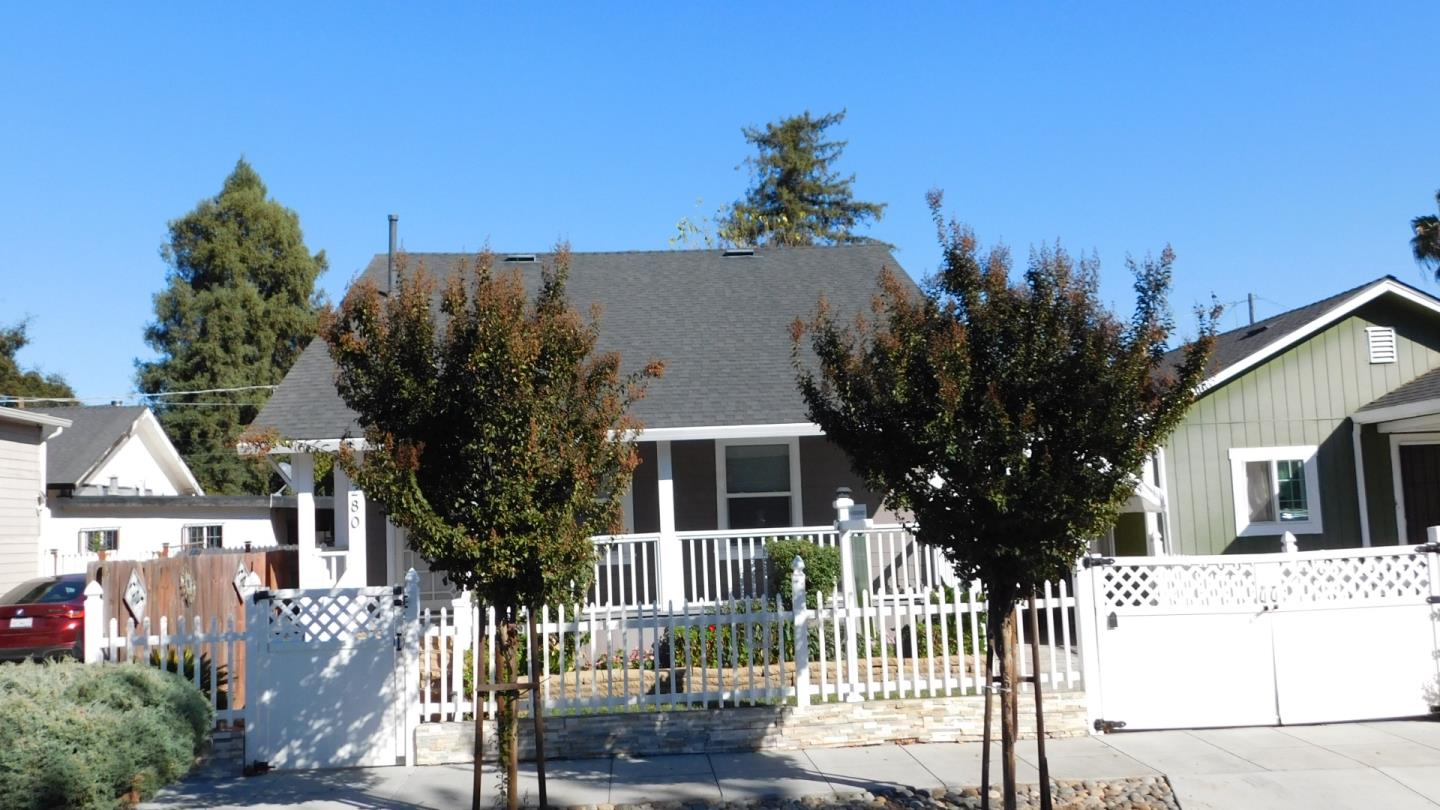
[(1303, 396)]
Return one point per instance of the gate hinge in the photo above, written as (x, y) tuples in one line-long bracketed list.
[(399, 644), (1107, 726), (1427, 548), (1095, 559), (401, 599), (263, 595), (1432, 600)]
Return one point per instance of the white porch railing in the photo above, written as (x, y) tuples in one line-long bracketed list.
[(708, 654), (716, 566)]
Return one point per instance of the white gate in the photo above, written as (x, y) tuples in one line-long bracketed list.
[(1262, 639), (328, 676)]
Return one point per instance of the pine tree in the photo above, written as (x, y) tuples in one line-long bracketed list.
[(1425, 244), (16, 384), (239, 307), (797, 197)]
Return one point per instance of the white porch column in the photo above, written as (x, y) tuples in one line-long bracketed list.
[(302, 480), (350, 529), (669, 557)]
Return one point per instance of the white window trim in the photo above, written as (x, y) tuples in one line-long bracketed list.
[(1396, 440), (722, 495), (1309, 454), (85, 547), (185, 534)]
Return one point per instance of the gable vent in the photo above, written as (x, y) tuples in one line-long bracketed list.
[(1382, 343), (519, 257), (735, 253)]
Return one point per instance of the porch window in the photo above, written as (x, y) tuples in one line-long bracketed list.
[(97, 540), (757, 484), (211, 536), (1277, 489)]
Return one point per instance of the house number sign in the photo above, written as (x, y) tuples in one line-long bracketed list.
[(357, 506)]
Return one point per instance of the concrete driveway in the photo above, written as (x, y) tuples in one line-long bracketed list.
[(1355, 766)]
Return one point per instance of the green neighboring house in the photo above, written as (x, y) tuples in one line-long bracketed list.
[(1323, 421)]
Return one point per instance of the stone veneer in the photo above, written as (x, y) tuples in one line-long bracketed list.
[(828, 725)]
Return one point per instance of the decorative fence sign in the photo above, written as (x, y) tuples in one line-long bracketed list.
[(135, 596)]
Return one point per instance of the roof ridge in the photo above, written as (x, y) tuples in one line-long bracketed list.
[(669, 251)]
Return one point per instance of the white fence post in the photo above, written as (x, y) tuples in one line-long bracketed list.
[(94, 629), (1088, 630), (802, 633), (410, 671)]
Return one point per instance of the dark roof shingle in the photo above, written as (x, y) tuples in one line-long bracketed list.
[(93, 431), (720, 324)]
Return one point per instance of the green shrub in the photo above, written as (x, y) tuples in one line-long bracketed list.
[(78, 736), (822, 568)]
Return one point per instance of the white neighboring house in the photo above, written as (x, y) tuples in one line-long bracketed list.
[(23, 438), (115, 483)]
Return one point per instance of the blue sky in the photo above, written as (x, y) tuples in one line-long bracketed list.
[(1281, 150)]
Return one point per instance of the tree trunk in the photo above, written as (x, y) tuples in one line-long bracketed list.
[(507, 656), (1005, 638), (479, 669), (1045, 799)]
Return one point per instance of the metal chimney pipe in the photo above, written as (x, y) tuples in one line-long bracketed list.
[(1252, 306), (390, 264)]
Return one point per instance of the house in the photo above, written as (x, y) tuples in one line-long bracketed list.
[(727, 448), (1323, 421), (114, 483), (23, 438)]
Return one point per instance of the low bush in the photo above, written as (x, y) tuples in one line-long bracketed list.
[(77, 736), (822, 568)]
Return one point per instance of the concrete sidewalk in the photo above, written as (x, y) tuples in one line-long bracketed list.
[(1359, 766)]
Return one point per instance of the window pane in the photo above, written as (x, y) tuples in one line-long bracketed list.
[(1258, 489), (1291, 475), (759, 513), (757, 468)]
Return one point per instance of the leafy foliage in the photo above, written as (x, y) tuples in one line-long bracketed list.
[(1029, 404), (1426, 242), (502, 439), (239, 306), (796, 196), (15, 382), (82, 736), (184, 664), (822, 568)]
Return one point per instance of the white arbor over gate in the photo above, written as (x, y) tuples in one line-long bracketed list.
[(332, 676), (1260, 639)]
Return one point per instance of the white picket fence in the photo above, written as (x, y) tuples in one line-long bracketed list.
[(710, 653), (212, 659)]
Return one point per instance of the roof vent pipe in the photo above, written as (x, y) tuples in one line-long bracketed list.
[(390, 262)]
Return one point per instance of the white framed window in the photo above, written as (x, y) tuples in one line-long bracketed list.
[(1381, 341), (757, 483), (97, 540), (205, 536), (1277, 490)]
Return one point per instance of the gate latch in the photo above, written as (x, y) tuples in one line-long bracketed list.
[(1092, 560), (399, 645), (1107, 726), (1112, 621)]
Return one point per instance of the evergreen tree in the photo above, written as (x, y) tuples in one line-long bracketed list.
[(1425, 244), (797, 197), (491, 435), (239, 307), (16, 384), (1008, 417)]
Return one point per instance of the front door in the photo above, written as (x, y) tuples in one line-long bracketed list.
[(1420, 489)]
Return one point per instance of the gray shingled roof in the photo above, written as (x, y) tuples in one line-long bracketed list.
[(93, 431), (1237, 344), (1422, 388), (720, 324)]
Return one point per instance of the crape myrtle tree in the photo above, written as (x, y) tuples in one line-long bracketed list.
[(1006, 416), (498, 438)]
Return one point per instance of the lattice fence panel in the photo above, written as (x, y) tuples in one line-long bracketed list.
[(343, 616), (1200, 585), (1400, 578)]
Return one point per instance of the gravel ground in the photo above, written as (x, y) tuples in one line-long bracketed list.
[(1140, 793)]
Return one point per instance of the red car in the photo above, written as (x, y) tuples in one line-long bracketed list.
[(43, 618)]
